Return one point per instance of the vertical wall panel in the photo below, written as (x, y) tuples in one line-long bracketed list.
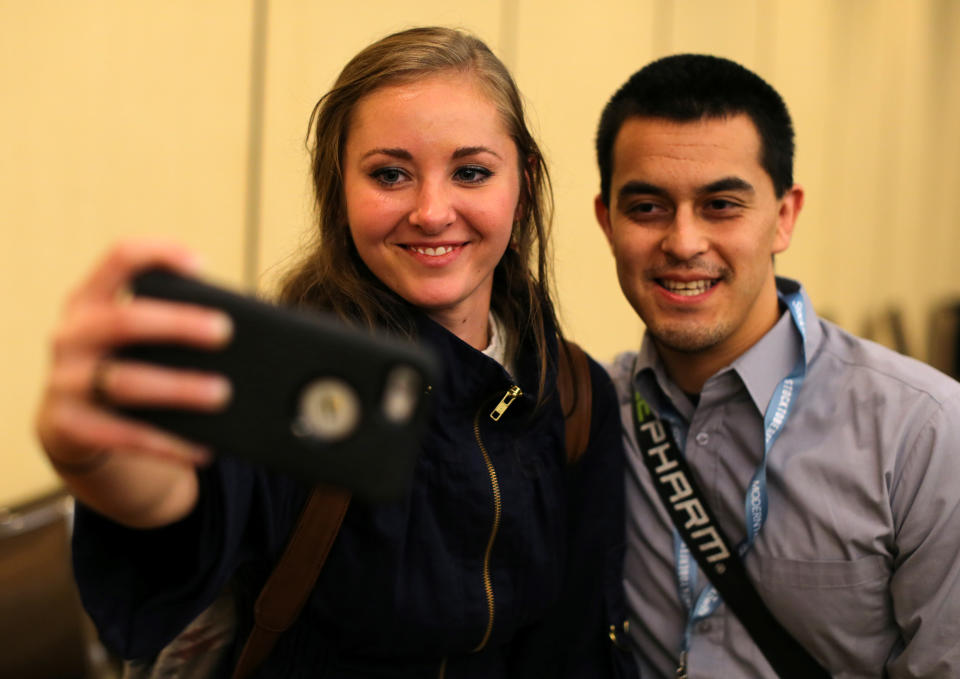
[(937, 238), (801, 73), (868, 113), (907, 143), (118, 118), (853, 159), (728, 29), (569, 64)]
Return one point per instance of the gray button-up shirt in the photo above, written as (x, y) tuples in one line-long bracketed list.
[(860, 555)]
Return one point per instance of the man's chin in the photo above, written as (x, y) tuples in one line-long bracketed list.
[(686, 340)]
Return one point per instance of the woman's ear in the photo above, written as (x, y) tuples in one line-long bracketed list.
[(515, 235), (521, 213)]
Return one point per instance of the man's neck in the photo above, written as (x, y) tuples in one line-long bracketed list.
[(691, 370)]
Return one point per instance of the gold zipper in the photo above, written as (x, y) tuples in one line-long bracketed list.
[(681, 672), (511, 395), (505, 402)]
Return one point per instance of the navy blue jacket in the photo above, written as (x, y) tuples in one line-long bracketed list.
[(403, 590)]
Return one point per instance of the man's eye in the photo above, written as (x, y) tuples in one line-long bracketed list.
[(720, 204), (472, 174), (643, 208), (388, 175)]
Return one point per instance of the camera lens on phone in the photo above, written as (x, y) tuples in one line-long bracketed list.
[(329, 410)]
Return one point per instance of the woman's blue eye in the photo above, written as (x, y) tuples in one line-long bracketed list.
[(388, 175), (472, 174)]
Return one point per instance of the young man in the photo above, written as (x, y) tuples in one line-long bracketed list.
[(850, 528)]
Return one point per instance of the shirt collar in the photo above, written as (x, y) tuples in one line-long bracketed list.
[(649, 368), (497, 347), (771, 359), (768, 361)]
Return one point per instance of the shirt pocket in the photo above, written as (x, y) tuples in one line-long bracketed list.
[(841, 610)]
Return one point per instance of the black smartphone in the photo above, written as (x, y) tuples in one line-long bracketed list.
[(311, 397)]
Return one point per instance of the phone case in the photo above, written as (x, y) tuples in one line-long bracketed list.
[(312, 397)]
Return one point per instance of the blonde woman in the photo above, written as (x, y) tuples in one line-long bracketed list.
[(433, 203)]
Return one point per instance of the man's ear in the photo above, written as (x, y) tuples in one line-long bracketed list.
[(790, 205), (602, 213)]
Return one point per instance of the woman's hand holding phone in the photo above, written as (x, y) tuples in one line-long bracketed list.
[(130, 470)]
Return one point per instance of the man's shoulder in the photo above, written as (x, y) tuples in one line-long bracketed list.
[(863, 363)]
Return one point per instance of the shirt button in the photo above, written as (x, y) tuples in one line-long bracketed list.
[(704, 626), (703, 438)]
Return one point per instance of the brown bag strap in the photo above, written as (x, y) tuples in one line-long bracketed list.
[(576, 398), (295, 575), (288, 587)]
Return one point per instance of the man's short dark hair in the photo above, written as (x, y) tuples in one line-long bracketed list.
[(688, 87)]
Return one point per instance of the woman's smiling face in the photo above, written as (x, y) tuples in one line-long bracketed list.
[(432, 180)]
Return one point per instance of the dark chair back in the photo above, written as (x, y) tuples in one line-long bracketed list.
[(44, 633), (944, 348)]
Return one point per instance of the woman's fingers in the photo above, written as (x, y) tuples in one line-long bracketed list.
[(98, 326), (112, 275), (73, 422), (140, 384), (128, 383), (72, 430)]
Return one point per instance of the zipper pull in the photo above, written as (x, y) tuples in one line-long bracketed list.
[(682, 667), (505, 402)]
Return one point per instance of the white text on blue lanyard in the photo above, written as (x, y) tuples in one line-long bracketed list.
[(755, 502)]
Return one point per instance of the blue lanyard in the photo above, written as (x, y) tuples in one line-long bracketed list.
[(755, 501)]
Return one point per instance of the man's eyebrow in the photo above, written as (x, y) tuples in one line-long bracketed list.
[(728, 184), (636, 188), (464, 151), (402, 154)]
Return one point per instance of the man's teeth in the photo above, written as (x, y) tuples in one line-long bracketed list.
[(433, 252), (688, 288)]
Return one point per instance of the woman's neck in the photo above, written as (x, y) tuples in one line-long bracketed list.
[(473, 328)]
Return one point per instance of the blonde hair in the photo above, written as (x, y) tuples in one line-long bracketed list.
[(333, 277)]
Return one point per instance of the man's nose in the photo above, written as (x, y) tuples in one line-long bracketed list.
[(686, 237), (434, 209)]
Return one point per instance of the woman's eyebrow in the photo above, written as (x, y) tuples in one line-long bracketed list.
[(402, 154), (473, 150)]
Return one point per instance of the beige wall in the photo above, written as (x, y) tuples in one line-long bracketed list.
[(151, 117)]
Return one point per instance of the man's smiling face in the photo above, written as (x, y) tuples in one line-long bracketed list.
[(693, 222)]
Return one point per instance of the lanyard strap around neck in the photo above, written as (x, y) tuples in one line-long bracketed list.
[(692, 517), (755, 502)]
